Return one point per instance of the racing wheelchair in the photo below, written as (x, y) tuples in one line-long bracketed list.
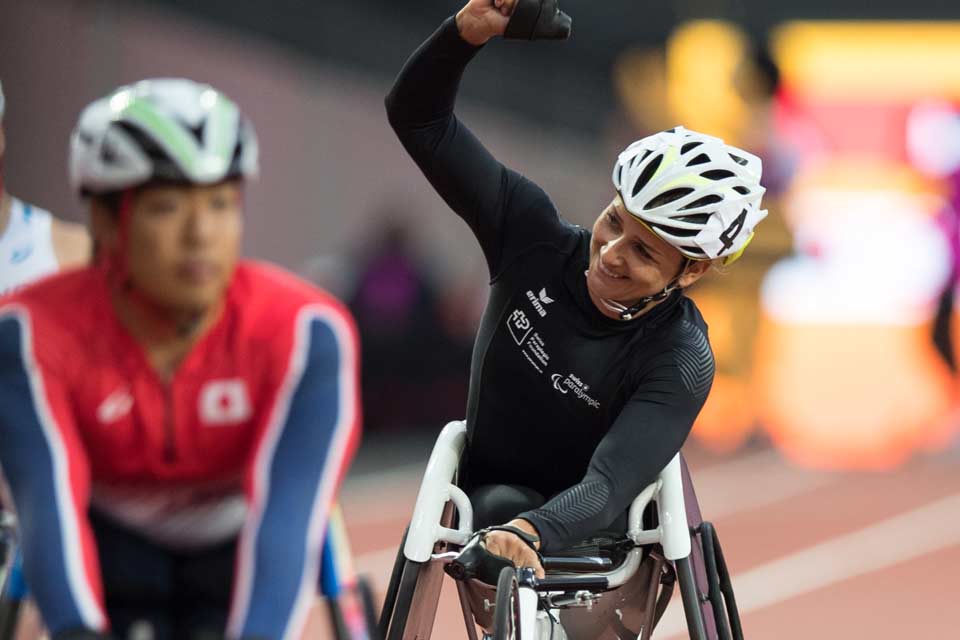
[(666, 542)]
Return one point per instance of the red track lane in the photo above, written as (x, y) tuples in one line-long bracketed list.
[(817, 513), (813, 554)]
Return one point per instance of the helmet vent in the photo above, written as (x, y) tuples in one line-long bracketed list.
[(107, 154), (690, 146), (647, 173), (696, 250), (197, 132), (742, 190), (679, 233), (741, 161), (713, 198), (717, 174), (620, 175), (668, 196), (700, 159), (694, 218)]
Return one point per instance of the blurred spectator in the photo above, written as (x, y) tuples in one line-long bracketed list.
[(730, 302), (414, 372), (933, 147)]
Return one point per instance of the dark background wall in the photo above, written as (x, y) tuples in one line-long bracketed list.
[(562, 84)]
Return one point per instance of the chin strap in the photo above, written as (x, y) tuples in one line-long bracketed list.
[(631, 312), (628, 313)]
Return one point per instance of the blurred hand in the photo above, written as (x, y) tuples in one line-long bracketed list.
[(511, 547), (481, 20)]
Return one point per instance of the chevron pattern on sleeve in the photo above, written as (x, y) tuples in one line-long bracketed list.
[(694, 359), (581, 502)]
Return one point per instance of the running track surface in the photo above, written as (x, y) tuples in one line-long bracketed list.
[(813, 554)]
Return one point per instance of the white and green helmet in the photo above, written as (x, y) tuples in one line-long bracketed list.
[(697, 193), (161, 129)]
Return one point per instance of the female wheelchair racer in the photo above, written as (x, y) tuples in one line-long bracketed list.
[(590, 364)]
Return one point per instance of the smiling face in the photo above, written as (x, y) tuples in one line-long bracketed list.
[(629, 262)]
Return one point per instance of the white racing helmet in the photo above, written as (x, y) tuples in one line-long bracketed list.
[(164, 129), (700, 195)]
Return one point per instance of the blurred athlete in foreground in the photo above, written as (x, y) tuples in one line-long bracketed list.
[(176, 422), (590, 364), (32, 242)]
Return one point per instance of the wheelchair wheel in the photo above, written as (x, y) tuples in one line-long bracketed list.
[(396, 626), (365, 591), (506, 620), (393, 589)]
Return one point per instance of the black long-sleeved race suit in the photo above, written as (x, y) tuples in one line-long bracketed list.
[(562, 399)]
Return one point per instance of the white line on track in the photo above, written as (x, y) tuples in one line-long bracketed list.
[(374, 482), (733, 487), (878, 546), (377, 564), (723, 489)]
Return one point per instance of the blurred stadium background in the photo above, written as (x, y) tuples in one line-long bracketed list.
[(827, 452)]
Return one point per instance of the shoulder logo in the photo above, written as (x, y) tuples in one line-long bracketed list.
[(115, 406), (224, 402), (539, 301)]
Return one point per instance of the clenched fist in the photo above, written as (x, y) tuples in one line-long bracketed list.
[(481, 20)]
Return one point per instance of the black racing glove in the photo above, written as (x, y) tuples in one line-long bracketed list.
[(538, 20), (476, 563)]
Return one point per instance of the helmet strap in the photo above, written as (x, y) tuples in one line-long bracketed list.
[(633, 310)]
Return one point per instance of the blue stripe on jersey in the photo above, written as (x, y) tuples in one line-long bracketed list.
[(16, 588), (329, 580), (28, 463), (296, 471)]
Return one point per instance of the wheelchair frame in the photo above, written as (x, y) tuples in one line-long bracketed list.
[(707, 594)]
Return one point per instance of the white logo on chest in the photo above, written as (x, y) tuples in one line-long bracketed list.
[(224, 402), (579, 388), (115, 406), (539, 301)]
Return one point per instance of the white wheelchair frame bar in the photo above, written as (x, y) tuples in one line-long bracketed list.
[(437, 488)]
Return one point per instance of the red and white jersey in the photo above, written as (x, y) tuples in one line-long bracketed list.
[(253, 432)]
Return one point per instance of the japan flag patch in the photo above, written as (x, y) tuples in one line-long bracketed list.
[(224, 402)]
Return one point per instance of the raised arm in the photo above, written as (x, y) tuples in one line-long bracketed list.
[(420, 107), (648, 432), (45, 463), (302, 455)]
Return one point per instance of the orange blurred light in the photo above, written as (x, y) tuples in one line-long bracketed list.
[(894, 61)]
